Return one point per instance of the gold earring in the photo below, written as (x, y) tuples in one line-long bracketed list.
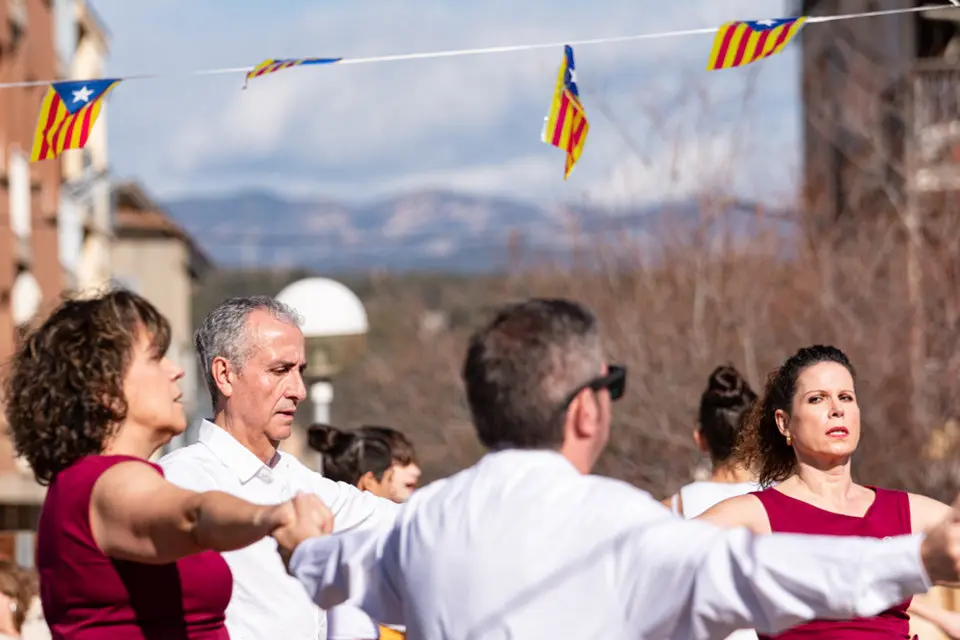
[(789, 440)]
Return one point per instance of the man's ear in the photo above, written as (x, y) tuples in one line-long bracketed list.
[(222, 376), (584, 414)]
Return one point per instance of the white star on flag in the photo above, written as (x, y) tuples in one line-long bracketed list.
[(83, 95), (766, 23)]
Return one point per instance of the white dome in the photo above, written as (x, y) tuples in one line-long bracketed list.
[(328, 308)]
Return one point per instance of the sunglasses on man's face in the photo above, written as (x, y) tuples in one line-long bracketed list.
[(614, 381)]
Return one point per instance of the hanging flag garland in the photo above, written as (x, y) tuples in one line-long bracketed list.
[(273, 65), (67, 114), (740, 43), (70, 108), (566, 126)]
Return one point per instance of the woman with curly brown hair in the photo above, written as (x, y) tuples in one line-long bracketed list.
[(800, 437), (121, 552)]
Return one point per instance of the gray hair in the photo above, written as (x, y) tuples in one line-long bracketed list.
[(223, 333), (523, 366)]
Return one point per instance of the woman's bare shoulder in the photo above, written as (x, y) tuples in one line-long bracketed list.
[(738, 511), (926, 512)]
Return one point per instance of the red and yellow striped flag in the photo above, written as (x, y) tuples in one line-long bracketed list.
[(566, 124), (278, 64), (740, 43), (67, 114)]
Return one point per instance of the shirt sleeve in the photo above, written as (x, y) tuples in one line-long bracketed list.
[(723, 580), (351, 507), (345, 622), (351, 568)]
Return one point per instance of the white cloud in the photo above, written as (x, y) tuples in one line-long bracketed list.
[(468, 123)]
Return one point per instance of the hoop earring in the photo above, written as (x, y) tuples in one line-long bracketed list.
[(789, 440)]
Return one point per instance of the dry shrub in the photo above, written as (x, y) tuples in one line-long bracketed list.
[(708, 296), (877, 279)]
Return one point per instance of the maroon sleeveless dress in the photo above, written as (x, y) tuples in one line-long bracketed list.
[(889, 515), (88, 596)]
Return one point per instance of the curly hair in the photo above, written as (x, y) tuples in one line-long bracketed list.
[(763, 448), (64, 392)]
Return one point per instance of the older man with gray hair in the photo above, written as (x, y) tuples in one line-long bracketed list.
[(253, 355), (526, 544)]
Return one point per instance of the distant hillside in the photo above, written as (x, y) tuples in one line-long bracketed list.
[(426, 230)]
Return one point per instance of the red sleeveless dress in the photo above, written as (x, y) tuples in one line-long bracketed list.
[(87, 595), (889, 515)]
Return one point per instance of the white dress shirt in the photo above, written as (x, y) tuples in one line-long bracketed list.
[(523, 546), (350, 623), (697, 497), (268, 604)]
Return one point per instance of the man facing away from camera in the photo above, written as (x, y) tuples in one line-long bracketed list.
[(253, 355), (526, 544)]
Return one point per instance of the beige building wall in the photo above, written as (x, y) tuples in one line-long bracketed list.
[(157, 269)]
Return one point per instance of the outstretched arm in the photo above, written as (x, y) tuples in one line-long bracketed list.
[(350, 567), (135, 514), (710, 582)]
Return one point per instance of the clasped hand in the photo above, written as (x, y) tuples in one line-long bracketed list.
[(306, 516)]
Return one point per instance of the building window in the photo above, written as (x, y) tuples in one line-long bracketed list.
[(19, 178), (65, 30), (70, 231)]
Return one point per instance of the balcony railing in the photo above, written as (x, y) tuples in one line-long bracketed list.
[(935, 87)]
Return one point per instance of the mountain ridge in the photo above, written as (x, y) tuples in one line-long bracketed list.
[(421, 230)]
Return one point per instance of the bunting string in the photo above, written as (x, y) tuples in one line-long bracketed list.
[(427, 55), (71, 107)]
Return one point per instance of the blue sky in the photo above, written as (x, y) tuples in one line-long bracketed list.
[(469, 124)]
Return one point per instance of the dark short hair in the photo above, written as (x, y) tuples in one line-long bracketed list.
[(522, 366), (763, 447), (401, 448), (64, 393), (350, 455)]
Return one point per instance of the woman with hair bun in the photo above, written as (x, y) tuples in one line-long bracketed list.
[(377, 459), (722, 407)]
